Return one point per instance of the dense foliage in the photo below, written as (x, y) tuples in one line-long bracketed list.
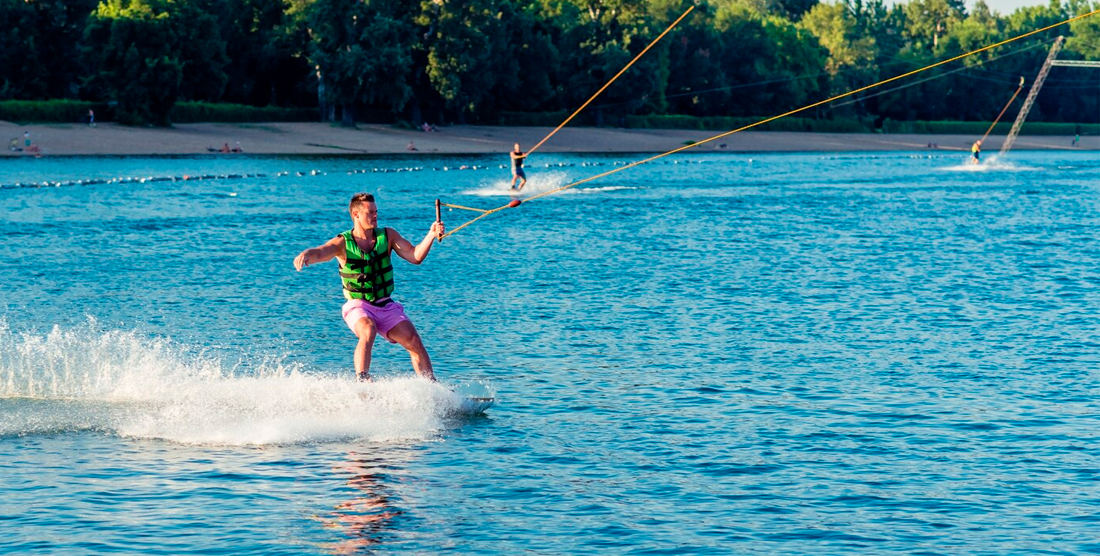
[(449, 61)]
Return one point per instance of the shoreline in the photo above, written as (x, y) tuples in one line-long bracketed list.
[(303, 138)]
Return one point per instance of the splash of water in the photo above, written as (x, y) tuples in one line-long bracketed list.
[(994, 163), (537, 182), (123, 383)]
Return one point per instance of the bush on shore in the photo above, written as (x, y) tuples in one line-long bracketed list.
[(709, 123), (201, 112), (979, 128), (76, 111), (49, 111), (718, 123), (838, 125)]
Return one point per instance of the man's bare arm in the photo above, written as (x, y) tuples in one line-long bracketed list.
[(415, 255), (332, 248)]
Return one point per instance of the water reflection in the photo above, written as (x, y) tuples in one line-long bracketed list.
[(363, 519)]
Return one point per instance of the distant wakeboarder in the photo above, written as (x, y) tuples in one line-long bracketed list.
[(518, 157)]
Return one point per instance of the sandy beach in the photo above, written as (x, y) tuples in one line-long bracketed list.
[(329, 139)]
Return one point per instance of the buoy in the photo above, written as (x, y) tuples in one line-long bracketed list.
[(514, 203)]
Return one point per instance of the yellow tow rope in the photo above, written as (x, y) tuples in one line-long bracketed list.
[(515, 203), (1014, 95), (608, 84)]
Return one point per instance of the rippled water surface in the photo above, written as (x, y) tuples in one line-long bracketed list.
[(755, 354)]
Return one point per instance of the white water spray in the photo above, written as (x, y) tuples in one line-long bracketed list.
[(126, 384)]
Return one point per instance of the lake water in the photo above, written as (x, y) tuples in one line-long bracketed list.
[(748, 354)]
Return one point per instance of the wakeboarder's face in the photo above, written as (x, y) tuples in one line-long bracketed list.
[(365, 215)]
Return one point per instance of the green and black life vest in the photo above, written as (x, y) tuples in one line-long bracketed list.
[(367, 275)]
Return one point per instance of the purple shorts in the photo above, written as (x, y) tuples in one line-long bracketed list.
[(384, 318)]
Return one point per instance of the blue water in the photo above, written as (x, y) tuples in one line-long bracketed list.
[(740, 354)]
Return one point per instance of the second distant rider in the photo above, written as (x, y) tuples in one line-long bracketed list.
[(517, 167)]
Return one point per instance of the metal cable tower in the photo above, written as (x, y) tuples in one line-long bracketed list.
[(1034, 92)]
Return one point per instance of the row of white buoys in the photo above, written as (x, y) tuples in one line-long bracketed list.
[(313, 173), (879, 156), (386, 170), (130, 180)]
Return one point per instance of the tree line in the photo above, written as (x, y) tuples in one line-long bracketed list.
[(470, 61)]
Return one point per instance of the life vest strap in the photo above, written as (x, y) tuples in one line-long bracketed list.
[(376, 287)]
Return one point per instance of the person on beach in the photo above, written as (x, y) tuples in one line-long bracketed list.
[(517, 167), (976, 152), (29, 146), (367, 275)]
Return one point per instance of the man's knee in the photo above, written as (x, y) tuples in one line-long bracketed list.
[(406, 335), (364, 329), (415, 343)]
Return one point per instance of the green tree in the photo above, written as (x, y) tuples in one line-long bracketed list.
[(132, 47), (201, 49), (931, 19), (40, 46), (766, 63), (1028, 18), (795, 57), (259, 49), (603, 36), (698, 84), (469, 60), (837, 30), (20, 67), (1085, 41), (362, 50), (147, 54), (525, 60), (459, 39), (973, 95), (741, 47), (795, 9)]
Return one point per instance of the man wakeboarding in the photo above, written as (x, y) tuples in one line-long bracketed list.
[(976, 152), (517, 157), (367, 276)]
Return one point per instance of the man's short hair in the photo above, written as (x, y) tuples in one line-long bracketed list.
[(359, 199)]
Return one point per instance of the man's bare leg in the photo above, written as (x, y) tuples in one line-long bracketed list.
[(364, 329), (406, 335)]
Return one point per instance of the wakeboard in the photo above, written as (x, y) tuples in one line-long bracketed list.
[(475, 406)]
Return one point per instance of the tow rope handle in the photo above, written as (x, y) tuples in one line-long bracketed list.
[(438, 218)]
